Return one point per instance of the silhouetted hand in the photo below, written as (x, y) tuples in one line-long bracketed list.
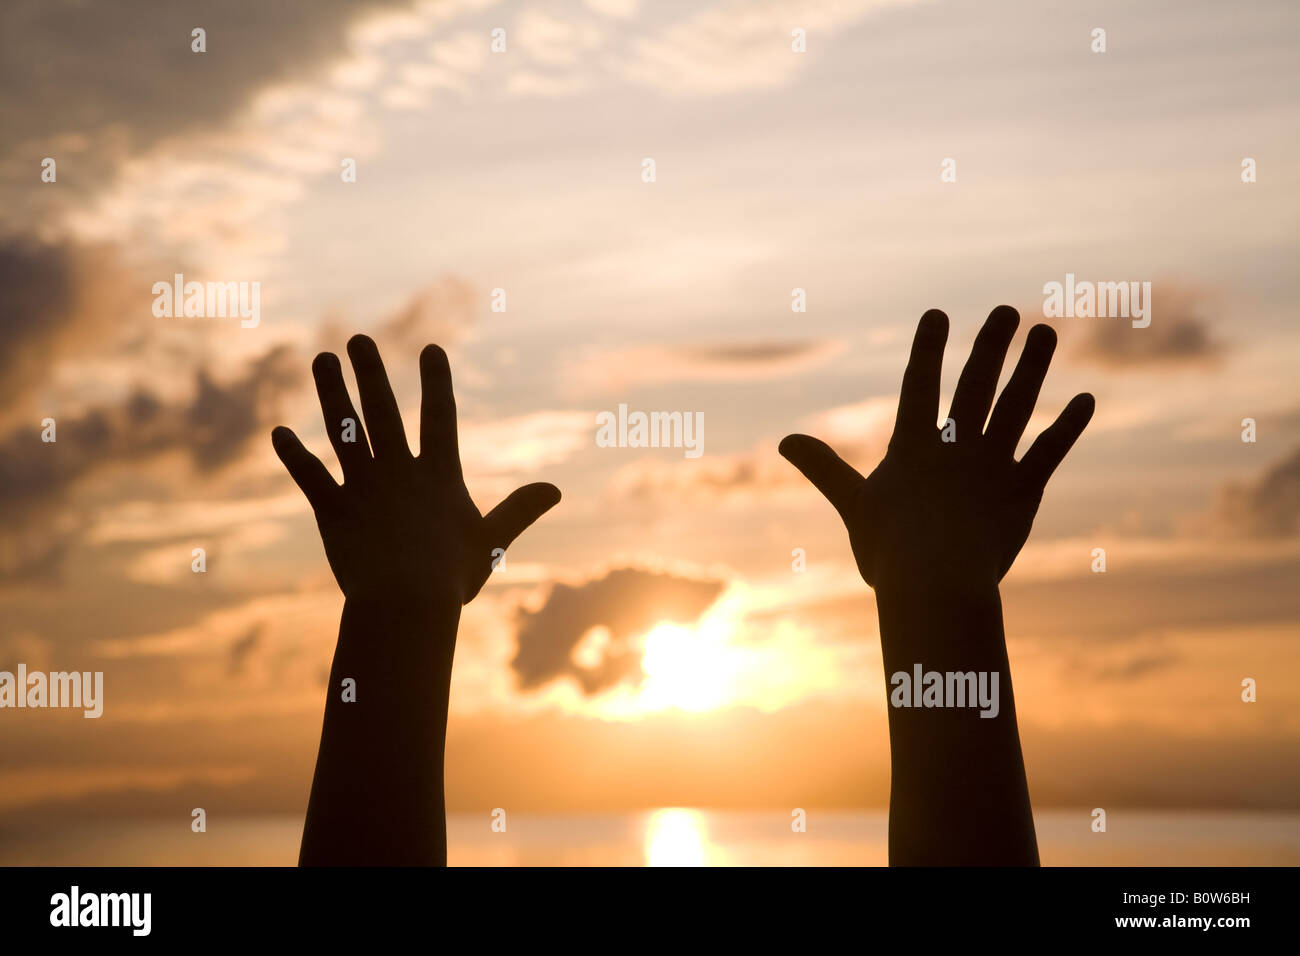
[(933, 529), (953, 511), (401, 525)]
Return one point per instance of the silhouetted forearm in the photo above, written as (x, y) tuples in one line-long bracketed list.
[(377, 796), (959, 794)]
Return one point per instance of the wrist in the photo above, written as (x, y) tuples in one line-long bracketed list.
[(941, 624), (939, 595), (415, 633), (384, 599)]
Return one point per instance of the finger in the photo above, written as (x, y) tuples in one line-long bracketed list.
[(438, 441), (830, 474), (520, 508), (918, 401), (979, 378), (342, 423), (304, 468), (1016, 404), (1056, 441), (383, 420)]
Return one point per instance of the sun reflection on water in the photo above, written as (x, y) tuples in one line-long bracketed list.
[(676, 836)]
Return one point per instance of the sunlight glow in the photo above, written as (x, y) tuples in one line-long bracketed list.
[(685, 668), (734, 655), (676, 837)]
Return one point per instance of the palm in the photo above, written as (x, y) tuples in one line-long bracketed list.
[(958, 509), (405, 527), (937, 510)]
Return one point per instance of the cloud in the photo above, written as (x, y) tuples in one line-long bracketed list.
[(554, 42), (35, 787), (739, 45), (244, 648), (617, 9), (440, 312), (626, 603), (1268, 508), (57, 299), (212, 428), (533, 83), (26, 649), (651, 481), (235, 136), (92, 85), (1125, 663), (1178, 335), (858, 432), (744, 360), (444, 312), (524, 443)]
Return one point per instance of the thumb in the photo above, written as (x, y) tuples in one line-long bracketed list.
[(520, 508), (830, 474)]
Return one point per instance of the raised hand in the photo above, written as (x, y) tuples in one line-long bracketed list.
[(409, 548), (950, 503), (400, 524), (933, 529)]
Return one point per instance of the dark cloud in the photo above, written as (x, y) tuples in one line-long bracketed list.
[(1128, 668), (212, 428), (1116, 608), (243, 649), (1268, 508), (739, 360), (56, 299), (753, 353), (1178, 334), (36, 477), (224, 417), (626, 601), (92, 84)]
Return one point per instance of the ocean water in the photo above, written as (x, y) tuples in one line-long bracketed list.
[(674, 837)]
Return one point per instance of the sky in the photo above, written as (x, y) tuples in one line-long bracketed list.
[(651, 641)]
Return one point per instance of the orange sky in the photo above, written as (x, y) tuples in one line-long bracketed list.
[(650, 642)]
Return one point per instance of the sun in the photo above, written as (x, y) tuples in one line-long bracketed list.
[(685, 668)]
